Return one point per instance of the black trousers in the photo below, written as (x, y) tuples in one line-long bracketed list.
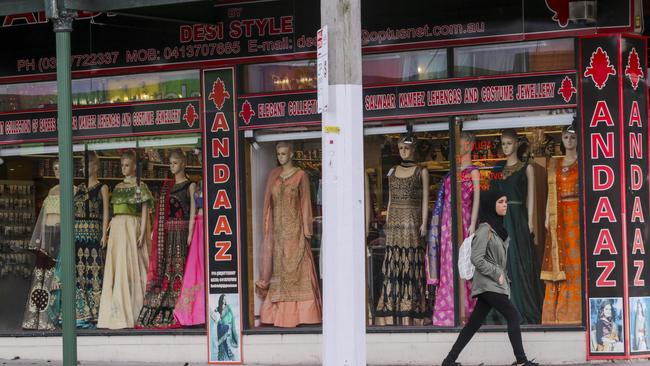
[(487, 301)]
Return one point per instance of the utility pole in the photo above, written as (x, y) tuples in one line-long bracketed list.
[(343, 247), (62, 20)]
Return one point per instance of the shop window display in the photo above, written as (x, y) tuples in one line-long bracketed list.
[(115, 218), (286, 234), (537, 167)]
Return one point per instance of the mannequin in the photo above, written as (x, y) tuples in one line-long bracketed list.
[(190, 306), (561, 267), (90, 233), (518, 181), (288, 283), (127, 254), (441, 238), (403, 295), (172, 235), (45, 243)]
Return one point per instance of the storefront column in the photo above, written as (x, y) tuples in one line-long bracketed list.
[(614, 129), (343, 249), (63, 27)]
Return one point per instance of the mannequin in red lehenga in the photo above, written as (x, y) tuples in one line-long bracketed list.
[(288, 282)]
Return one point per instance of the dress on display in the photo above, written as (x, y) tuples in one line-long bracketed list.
[(125, 270), (403, 293), (190, 306), (561, 267), (526, 289), (45, 242), (287, 271), (167, 258), (443, 309), (89, 267)]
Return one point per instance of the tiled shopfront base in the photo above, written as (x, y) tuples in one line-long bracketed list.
[(305, 349)]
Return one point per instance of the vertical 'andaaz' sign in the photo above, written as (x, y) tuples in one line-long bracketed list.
[(222, 225), (635, 142), (604, 197)]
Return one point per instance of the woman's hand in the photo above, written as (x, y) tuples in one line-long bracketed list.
[(141, 240), (103, 242), (472, 229), (502, 279), (530, 226), (423, 230), (189, 240)]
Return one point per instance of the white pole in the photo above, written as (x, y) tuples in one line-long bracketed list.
[(343, 246)]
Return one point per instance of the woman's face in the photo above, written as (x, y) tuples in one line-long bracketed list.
[(508, 145), (176, 165), (128, 167), (607, 311), (57, 172), (406, 151), (502, 206), (569, 140), (284, 155), (466, 146)]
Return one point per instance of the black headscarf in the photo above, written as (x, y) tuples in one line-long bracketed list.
[(488, 212)]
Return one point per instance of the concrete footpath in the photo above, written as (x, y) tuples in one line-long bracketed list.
[(21, 362)]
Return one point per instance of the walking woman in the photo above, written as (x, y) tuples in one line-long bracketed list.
[(490, 283)]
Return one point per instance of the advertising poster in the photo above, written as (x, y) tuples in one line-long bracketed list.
[(222, 223)]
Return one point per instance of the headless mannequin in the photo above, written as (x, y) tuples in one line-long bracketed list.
[(509, 147), (570, 143), (93, 169), (285, 159), (177, 168)]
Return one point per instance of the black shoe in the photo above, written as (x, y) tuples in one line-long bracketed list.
[(527, 363), (447, 363)]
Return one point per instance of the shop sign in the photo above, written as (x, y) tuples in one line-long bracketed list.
[(223, 232), (164, 117), (201, 31), (637, 190), (616, 195), (433, 98)]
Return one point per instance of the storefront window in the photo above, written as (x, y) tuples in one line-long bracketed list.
[(402, 171), (285, 223), (151, 228), (404, 66), (279, 76), (102, 90), (511, 58), (535, 165)]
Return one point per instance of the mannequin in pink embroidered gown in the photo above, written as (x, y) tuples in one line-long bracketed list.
[(443, 310), (288, 282)]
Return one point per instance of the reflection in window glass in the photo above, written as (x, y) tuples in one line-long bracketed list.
[(103, 90), (537, 169), (286, 206), (24, 96), (405, 66), (511, 58), (279, 76), (136, 88)]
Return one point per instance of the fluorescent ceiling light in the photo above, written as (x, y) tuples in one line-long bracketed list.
[(288, 136), (174, 141), (425, 127), (518, 122)]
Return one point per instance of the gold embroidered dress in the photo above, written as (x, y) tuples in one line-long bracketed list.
[(288, 279), (125, 270)]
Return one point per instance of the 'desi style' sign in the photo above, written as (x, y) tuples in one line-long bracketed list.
[(615, 170), (163, 117), (556, 90), (200, 31), (223, 287)]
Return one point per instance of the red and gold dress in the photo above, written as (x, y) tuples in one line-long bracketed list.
[(288, 281), (561, 268)]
